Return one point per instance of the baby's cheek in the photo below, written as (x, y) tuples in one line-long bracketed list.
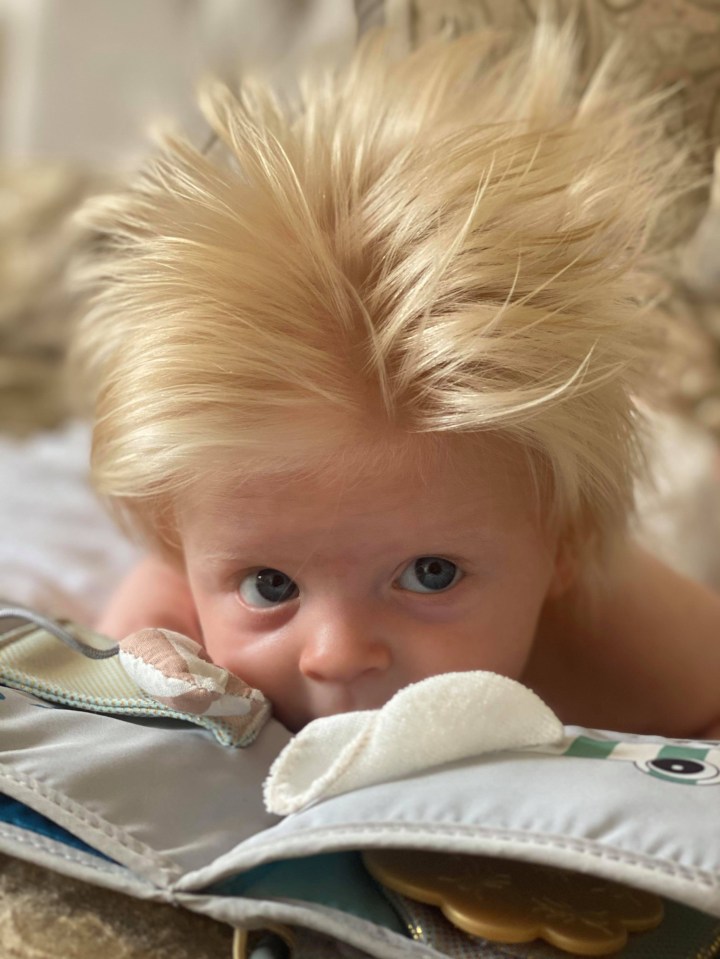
[(222, 645), (510, 662), (514, 657), (229, 646), (494, 648), (219, 637)]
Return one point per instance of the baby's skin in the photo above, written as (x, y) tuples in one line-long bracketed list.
[(331, 592)]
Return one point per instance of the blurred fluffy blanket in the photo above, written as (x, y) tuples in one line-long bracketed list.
[(35, 309)]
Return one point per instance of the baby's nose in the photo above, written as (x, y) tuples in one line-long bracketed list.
[(343, 648)]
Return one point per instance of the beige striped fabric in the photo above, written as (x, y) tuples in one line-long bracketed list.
[(36, 662)]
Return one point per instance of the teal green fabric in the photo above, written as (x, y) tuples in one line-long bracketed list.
[(338, 880), (18, 814)]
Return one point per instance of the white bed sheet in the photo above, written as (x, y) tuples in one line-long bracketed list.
[(59, 551)]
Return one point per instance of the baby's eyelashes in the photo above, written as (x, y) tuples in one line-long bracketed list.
[(429, 574), (267, 587)]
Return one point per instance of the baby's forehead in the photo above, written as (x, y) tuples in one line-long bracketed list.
[(388, 462), (446, 481)]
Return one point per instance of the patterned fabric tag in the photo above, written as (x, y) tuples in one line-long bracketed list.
[(33, 660)]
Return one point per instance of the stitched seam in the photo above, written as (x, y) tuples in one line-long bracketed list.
[(586, 846), (55, 693), (58, 851), (49, 692), (78, 812)]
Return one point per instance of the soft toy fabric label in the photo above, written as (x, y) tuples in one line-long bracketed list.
[(158, 675)]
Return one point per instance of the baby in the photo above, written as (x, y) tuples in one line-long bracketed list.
[(366, 379)]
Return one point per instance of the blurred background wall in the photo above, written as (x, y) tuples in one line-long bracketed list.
[(83, 79)]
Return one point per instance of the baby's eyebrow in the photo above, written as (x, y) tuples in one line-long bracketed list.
[(459, 539), (255, 552), (220, 557), (232, 555)]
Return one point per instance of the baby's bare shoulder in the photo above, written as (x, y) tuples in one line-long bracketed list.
[(641, 654)]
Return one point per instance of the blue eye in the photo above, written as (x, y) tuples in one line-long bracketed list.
[(267, 587), (429, 574)]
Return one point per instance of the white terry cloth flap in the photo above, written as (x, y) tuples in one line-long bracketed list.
[(438, 720)]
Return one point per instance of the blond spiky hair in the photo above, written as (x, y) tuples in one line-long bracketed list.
[(445, 241)]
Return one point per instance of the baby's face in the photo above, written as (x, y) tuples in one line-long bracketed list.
[(330, 595)]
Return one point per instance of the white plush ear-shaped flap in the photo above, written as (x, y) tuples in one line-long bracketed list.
[(438, 720)]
